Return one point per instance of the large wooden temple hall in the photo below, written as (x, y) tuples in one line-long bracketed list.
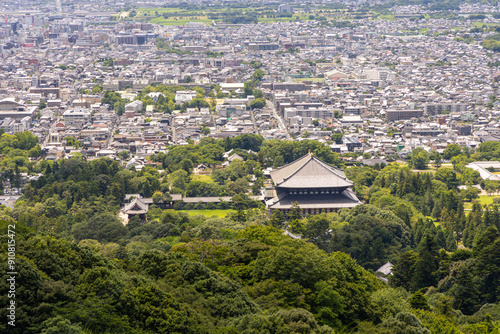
[(315, 185)]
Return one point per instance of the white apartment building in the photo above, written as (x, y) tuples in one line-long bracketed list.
[(77, 117)]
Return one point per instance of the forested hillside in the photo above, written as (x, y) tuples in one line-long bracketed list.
[(81, 270)]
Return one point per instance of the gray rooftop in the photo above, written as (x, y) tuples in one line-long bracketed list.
[(309, 172)]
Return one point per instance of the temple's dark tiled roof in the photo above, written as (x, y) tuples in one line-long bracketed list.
[(309, 172), (313, 184)]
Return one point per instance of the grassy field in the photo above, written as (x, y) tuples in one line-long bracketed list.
[(209, 213), (183, 16), (181, 21), (481, 24), (203, 178), (386, 17), (423, 170), (483, 199), (160, 10), (432, 169)]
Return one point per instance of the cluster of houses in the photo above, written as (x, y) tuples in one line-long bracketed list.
[(372, 87), (388, 88)]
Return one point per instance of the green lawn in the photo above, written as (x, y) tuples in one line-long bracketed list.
[(202, 178), (386, 17), (160, 10), (481, 24), (186, 15), (180, 22), (483, 199), (431, 168), (209, 213), (486, 199), (423, 170)]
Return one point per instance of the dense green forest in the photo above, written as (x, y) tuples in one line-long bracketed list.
[(81, 270)]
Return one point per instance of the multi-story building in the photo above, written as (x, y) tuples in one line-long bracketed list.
[(182, 96), (315, 113), (77, 117), (133, 106), (464, 130), (398, 115), (381, 73), (263, 46), (230, 110), (290, 86), (15, 109), (354, 110), (12, 126), (125, 39), (438, 108), (221, 62), (285, 9), (351, 143)]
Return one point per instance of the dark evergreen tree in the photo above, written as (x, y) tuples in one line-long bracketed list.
[(277, 218), (427, 265), (419, 301)]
